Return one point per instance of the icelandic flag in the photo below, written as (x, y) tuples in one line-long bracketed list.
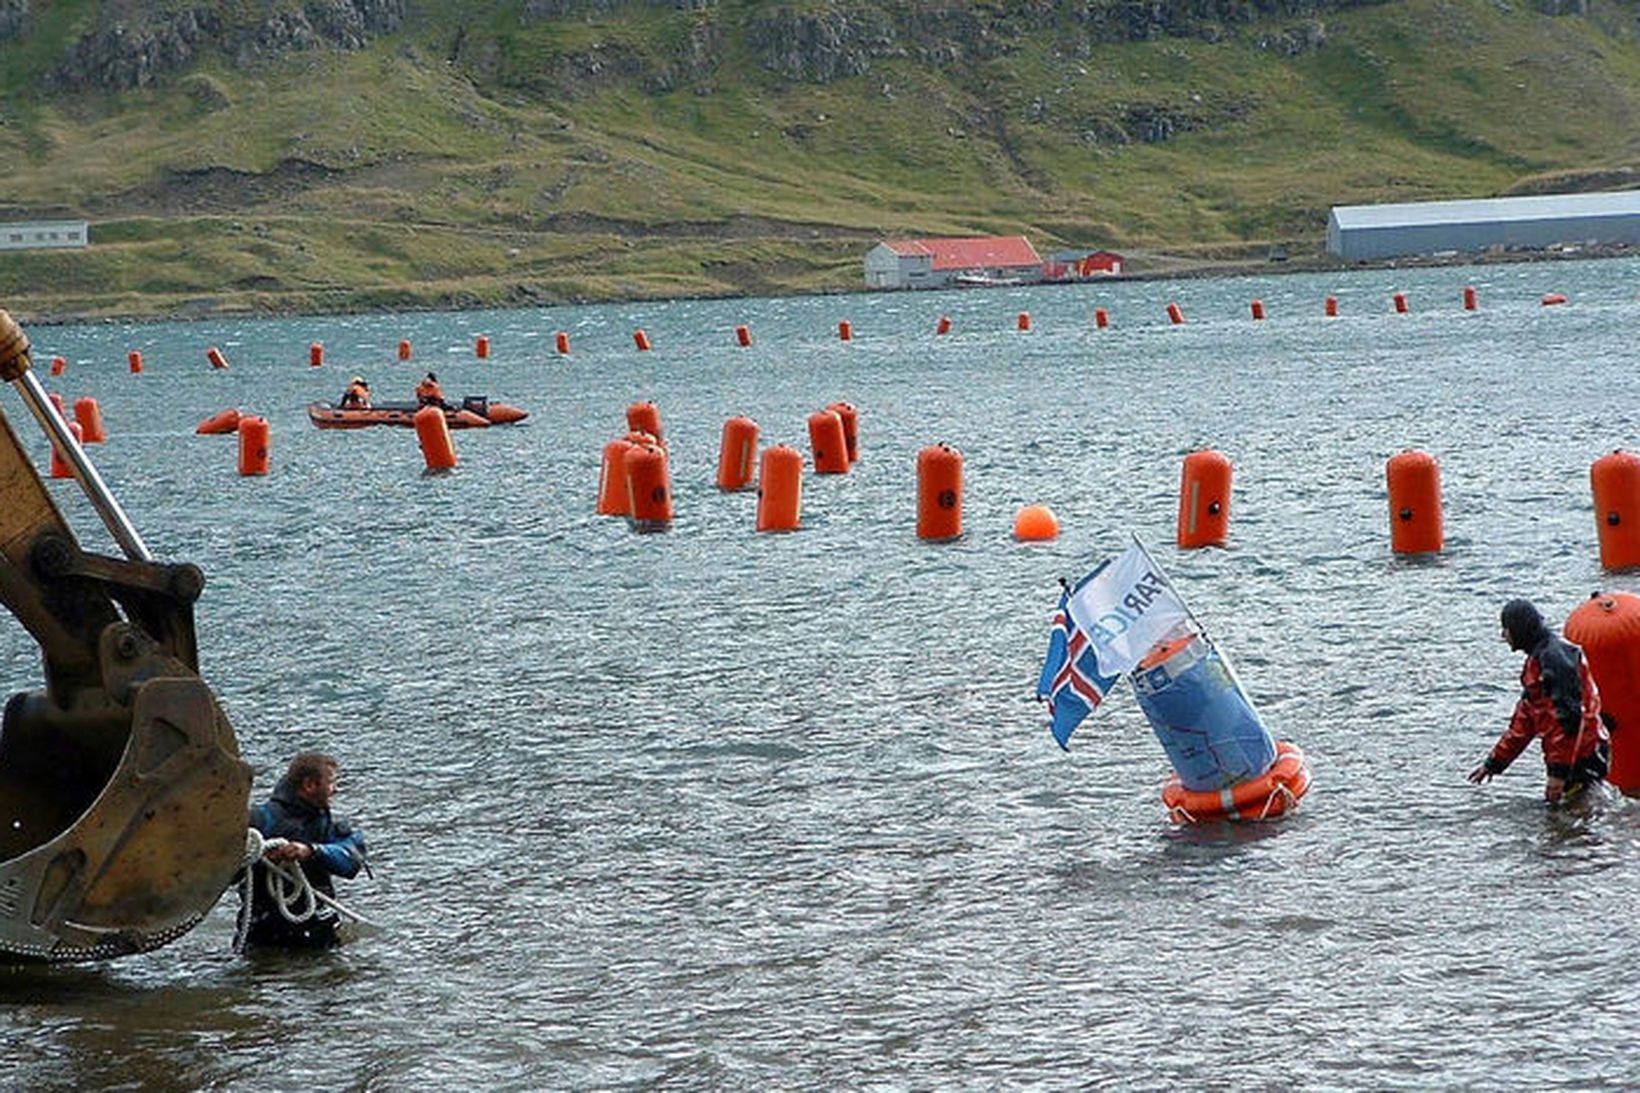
[(1070, 679), (1125, 607)]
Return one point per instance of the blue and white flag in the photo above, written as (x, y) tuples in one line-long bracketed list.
[(1125, 607), (1070, 679)]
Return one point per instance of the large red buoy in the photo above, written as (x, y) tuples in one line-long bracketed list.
[(404, 349), (561, 339), (648, 488), (743, 336), (644, 417), (851, 428), (1175, 314), (939, 493), (738, 456), (845, 330), (60, 467), (612, 498), (780, 489), (89, 415), (943, 326), (1101, 318), (316, 355), (1332, 307), (1204, 500), (214, 355), (641, 340), (1607, 626), (1400, 303), (134, 359), (827, 442), (433, 431), (58, 364), (1414, 483), (1470, 301), (1258, 309), (1615, 480), (254, 445), (218, 424)]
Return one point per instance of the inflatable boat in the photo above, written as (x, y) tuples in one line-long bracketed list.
[(475, 412)]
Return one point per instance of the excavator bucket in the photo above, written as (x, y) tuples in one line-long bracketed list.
[(123, 800)]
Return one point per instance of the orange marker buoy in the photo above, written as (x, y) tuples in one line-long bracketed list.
[(1035, 524), (743, 335), (1470, 300), (648, 488), (1175, 314), (1615, 480), (845, 330), (644, 417), (134, 359), (1400, 303), (780, 489), (827, 442), (612, 498), (851, 428), (1204, 500), (57, 401), (89, 415), (1332, 307), (1101, 318), (738, 455), (943, 326), (939, 493), (1607, 627), (481, 347), (1258, 309), (57, 365), (433, 432), (60, 467), (1414, 503), (219, 424), (316, 355), (641, 340), (254, 444), (1024, 320), (1552, 299), (404, 349), (562, 340), (214, 355)]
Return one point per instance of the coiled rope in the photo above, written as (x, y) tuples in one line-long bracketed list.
[(286, 884)]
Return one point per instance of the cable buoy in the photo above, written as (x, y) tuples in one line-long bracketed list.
[(1204, 500), (1615, 482), (827, 442), (89, 415), (845, 330), (1175, 314), (780, 489), (1024, 320), (1258, 309), (316, 355), (134, 360), (743, 336), (1553, 299), (1400, 303), (57, 365), (218, 424), (1101, 318), (562, 341), (1607, 627), (1414, 483), (939, 493), (60, 467), (737, 456), (254, 443), (481, 347), (648, 488), (1470, 301), (612, 498), (404, 349), (644, 417), (943, 326), (851, 428), (214, 355), (1035, 524), (438, 451), (641, 340), (1332, 307)]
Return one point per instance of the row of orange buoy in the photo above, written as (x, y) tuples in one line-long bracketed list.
[(316, 354)]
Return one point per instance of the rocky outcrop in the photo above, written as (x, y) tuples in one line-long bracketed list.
[(14, 18)]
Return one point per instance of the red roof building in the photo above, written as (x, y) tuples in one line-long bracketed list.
[(936, 263)]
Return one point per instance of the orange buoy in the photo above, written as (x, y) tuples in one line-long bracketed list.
[(254, 437), (214, 355), (1258, 309), (1615, 481), (1470, 301), (57, 365), (1332, 307), (316, 355), (612, 498), (851, 428), (780, 489), (1607, 627), (1264, 797), (1175, 314), (939, 493), (641, 340), (1035, 524), (644, 417), (218, 424), (827, 442), (1101, 318), (738, 454), (134, 359), (648, 488), (1414, 503), (743, 335), (943, 326), (89, 415), (404, 349), (1551, 299), (1400, 303), (1204, 500), (481, 347), (562, 340), (433, 432), (57, 401), (845, 330), (60, 467), (1024, 320)]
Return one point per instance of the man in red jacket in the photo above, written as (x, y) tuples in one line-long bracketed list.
[(1558, 703)]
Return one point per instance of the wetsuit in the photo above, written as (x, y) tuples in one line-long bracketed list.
[(428, 393), (338, 851), (1560, 705)]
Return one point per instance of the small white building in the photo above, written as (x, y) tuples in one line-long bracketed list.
[(44, 233), (936, 263), (1470, 227)]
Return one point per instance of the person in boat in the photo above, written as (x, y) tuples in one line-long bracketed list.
[(1559, 704), (357, 395), (323, 845), (429, 393)]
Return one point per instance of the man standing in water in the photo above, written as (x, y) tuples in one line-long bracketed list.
[(1558, 703), (322, 845)]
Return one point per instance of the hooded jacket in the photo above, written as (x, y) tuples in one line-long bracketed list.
[(1559, 702), (338, 851)]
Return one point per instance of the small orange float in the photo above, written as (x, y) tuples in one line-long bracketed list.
[(217, 424), (1271, 794), (1036, 524)]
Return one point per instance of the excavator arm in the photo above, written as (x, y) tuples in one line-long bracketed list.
[(122, 795)]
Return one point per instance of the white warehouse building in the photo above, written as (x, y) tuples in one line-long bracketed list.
[(1432, 227)]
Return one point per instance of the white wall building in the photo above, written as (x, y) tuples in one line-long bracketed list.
[(44, 233), (1431, 227)]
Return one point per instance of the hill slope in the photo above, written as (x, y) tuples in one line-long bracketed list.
[(334, 154)]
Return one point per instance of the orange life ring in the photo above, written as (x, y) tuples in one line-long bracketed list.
[(1272, 793)]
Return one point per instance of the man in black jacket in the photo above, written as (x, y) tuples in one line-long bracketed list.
[(322, 845)]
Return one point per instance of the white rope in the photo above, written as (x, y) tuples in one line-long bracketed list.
[(287, 885)]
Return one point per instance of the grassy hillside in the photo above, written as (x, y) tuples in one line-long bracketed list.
[(476, 154)]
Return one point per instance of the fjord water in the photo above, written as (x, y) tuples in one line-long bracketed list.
[(709, 808)]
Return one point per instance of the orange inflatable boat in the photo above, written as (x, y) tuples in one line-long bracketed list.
[(475, 412)]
